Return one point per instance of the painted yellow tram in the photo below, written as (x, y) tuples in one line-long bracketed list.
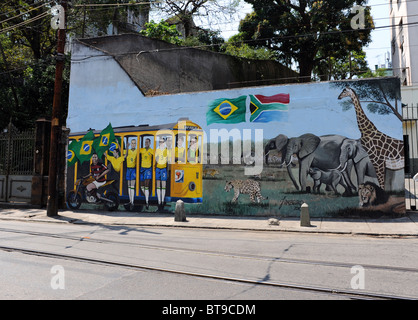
[(184, 146)]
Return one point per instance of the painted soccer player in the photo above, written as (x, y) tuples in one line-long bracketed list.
[(146, 169), (161, 158), (130, 157)]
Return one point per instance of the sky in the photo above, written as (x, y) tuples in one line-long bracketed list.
[(380, 46)]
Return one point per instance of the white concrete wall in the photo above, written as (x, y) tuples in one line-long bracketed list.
[(102, 92)]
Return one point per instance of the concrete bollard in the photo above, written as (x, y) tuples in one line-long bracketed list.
[(180, 213), (305, 220)]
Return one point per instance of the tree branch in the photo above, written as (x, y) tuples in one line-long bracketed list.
[(395, 112)]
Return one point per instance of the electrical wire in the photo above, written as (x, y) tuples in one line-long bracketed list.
[(11, 18), (161, 1), (140, 3), (114, 4), (26, 22), (212, 24), (17, 9)]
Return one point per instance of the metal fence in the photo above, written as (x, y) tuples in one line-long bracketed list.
[(410, 132), (17, 151), (16, 164)]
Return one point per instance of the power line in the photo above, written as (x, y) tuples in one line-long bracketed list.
[(11, 18), (242, 41), (26, 22), (161, 1), (100, 7), (115, 4), (19, 9)]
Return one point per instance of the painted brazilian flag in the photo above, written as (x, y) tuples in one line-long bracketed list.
[(102, 143), (227, 110), (85, 150), (115, 144), (73, 147), (269, 108)]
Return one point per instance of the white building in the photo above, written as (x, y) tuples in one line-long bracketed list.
[(404, 42)]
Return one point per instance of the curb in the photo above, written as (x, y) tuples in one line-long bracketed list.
[(273, 228)]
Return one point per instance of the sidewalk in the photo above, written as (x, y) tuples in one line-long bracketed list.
[(405, 226)]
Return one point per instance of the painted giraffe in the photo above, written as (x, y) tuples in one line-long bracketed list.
[(380, 147)]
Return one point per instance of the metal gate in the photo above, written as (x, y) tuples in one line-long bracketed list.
[(16, 164), (410, 128)]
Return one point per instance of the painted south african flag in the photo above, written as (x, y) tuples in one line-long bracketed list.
[(269, 108)]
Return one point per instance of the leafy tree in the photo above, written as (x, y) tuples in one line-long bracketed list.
[(237, 48), (38, 36), (35, 91), (341, 68), (89, 21), (307, 32), (27, 69), (184, 12), (162, 31), (381, 72)]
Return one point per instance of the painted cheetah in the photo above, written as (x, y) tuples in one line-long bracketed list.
[(211, 172), (248, 186)]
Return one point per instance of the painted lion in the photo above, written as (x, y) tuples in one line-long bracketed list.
[(371, 194)]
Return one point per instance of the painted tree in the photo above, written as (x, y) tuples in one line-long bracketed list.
[(381, 96), (306, 32)]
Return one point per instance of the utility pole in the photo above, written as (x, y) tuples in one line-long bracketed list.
[(54, 157)]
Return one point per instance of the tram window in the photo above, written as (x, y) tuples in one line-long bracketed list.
[(193, 155), (180, 150)]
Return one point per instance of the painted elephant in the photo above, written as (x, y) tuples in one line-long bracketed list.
[(312, 151), (352, 149), (278, 143)]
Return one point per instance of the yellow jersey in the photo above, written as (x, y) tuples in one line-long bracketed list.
[(116, 162), (161, 155), (146, 157), (131, 158)]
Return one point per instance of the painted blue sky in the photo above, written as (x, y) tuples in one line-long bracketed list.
[(314, 108)]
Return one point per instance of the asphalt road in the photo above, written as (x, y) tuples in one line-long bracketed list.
[(65, 261)]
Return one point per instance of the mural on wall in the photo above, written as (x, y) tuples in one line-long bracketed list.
[(336, 146)]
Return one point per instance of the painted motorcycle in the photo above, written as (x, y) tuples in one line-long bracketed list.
[(102, 195)]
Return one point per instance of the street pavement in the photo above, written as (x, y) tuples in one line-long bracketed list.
[(405, 226)]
